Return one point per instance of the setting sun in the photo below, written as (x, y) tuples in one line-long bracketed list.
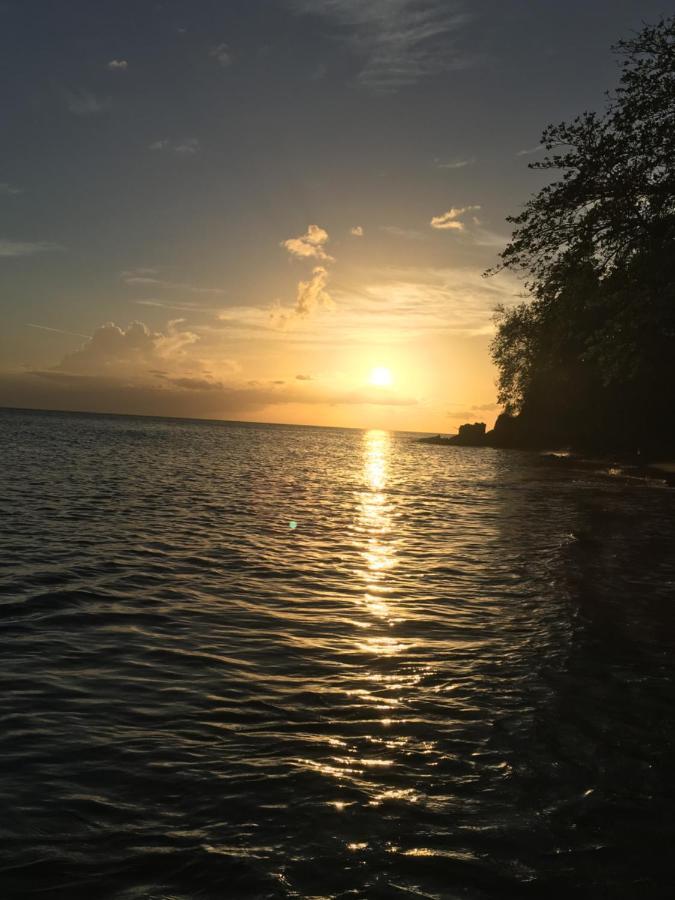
[(380, 376)]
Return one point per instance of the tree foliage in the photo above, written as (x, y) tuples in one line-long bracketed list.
[(596, 344)]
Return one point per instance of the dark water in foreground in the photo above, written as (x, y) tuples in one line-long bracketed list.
[(453, 678)]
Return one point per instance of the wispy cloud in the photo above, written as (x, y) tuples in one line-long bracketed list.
[(84, 103), (57, 330), (145, 277), (454, 163), (222, 55), (398, 42), (309, 245), (393, 305), (409, 234), (185, 147), (450, 220), (356, 231), (118, 65), (27, 248), (530, 150), (9, 190)]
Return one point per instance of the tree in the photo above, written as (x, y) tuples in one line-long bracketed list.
[(597, 249)]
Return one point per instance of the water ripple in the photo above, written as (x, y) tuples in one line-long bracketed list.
[(258, 661)]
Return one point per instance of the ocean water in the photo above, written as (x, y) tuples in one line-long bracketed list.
[(278, 662)]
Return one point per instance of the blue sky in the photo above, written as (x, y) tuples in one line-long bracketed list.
[(158, 158)]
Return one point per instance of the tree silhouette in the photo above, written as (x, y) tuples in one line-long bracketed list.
[(591, 358)]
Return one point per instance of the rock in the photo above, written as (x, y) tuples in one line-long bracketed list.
[(471, 435)]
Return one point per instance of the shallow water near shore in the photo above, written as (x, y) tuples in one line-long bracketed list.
[(283, 662)]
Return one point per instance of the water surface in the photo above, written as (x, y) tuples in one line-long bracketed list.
[(278, 662)]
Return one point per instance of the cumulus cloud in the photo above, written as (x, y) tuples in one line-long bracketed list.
[(311, 244), (450, 220), (186, 147), (222, 55), (84, 103), (118, 65), (356, 230), (312, 294), (27, 248), (112, 350), (397, 42)]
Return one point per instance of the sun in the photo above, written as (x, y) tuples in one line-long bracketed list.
[(380, 376)]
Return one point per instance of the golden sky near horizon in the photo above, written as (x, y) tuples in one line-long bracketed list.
[(243, 211)]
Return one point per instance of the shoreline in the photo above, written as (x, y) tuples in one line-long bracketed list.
[(613, 464)]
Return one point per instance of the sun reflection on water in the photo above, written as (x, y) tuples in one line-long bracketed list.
[(375, 524)]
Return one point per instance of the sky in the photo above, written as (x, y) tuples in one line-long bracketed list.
[(276, 210)]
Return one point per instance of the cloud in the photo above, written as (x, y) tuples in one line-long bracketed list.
[(312, 294), (310, 244), (164, 393), (222, 55), (454, 163), (144, 277), (303, 377), (56, 330), (410, 234), (116, 351), (27, 248), (118, 65), (473, 412), (84, 103), (194, 384), (395, 305), (356, 230), (186, 147), (9, 190), (450, 220), (530, 150), (396, 42)]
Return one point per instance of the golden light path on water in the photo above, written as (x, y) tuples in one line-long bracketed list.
[(372, 755)]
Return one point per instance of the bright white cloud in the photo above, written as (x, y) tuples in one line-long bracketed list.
[(311, 244), (356, 230), (450, 220)]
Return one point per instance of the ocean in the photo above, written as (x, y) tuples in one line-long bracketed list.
[(264, 661)]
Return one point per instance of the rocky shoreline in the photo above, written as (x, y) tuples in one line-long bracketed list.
[(508, 435)]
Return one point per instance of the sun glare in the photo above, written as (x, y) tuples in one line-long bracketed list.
[(381, 377)]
